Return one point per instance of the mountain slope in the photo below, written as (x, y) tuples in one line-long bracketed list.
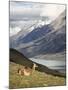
[(43, 40), (19, 58), (37, 79), (52, 42)]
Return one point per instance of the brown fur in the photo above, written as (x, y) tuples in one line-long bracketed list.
[(26, 70)]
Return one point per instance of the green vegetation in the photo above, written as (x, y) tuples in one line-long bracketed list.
[(37, 79)]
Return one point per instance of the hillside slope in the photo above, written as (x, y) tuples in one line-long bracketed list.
[(37, 79), (19, 58)]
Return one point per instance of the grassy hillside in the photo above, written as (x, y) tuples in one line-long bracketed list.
[(19, 58), (37, 79)]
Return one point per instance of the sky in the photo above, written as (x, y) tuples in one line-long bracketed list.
[(22, 12)]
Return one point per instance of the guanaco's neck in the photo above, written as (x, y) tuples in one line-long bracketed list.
[(34, 66)]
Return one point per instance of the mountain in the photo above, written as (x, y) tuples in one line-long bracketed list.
[(19, 58), (16, 39), (36, 33), (47, 39)]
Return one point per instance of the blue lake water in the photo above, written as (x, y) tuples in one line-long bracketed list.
[(59, 65)]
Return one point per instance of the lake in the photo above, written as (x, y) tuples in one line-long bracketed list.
[(59, 65)]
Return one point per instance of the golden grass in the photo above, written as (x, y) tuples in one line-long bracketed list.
[(37, 79)]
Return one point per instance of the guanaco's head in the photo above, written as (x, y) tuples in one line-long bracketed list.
[(35, 65)]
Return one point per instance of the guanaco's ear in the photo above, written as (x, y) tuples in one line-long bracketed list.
[(35, 65)]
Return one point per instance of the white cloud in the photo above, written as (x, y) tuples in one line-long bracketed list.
[(21, 14), (19, 10), (52, 10), (14, 30)]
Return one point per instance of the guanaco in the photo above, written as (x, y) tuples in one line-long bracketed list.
[(26, 70)]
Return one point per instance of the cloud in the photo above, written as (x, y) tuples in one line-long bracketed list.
[(26, 10), (23, 14), (14, 30), (52, 10)]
